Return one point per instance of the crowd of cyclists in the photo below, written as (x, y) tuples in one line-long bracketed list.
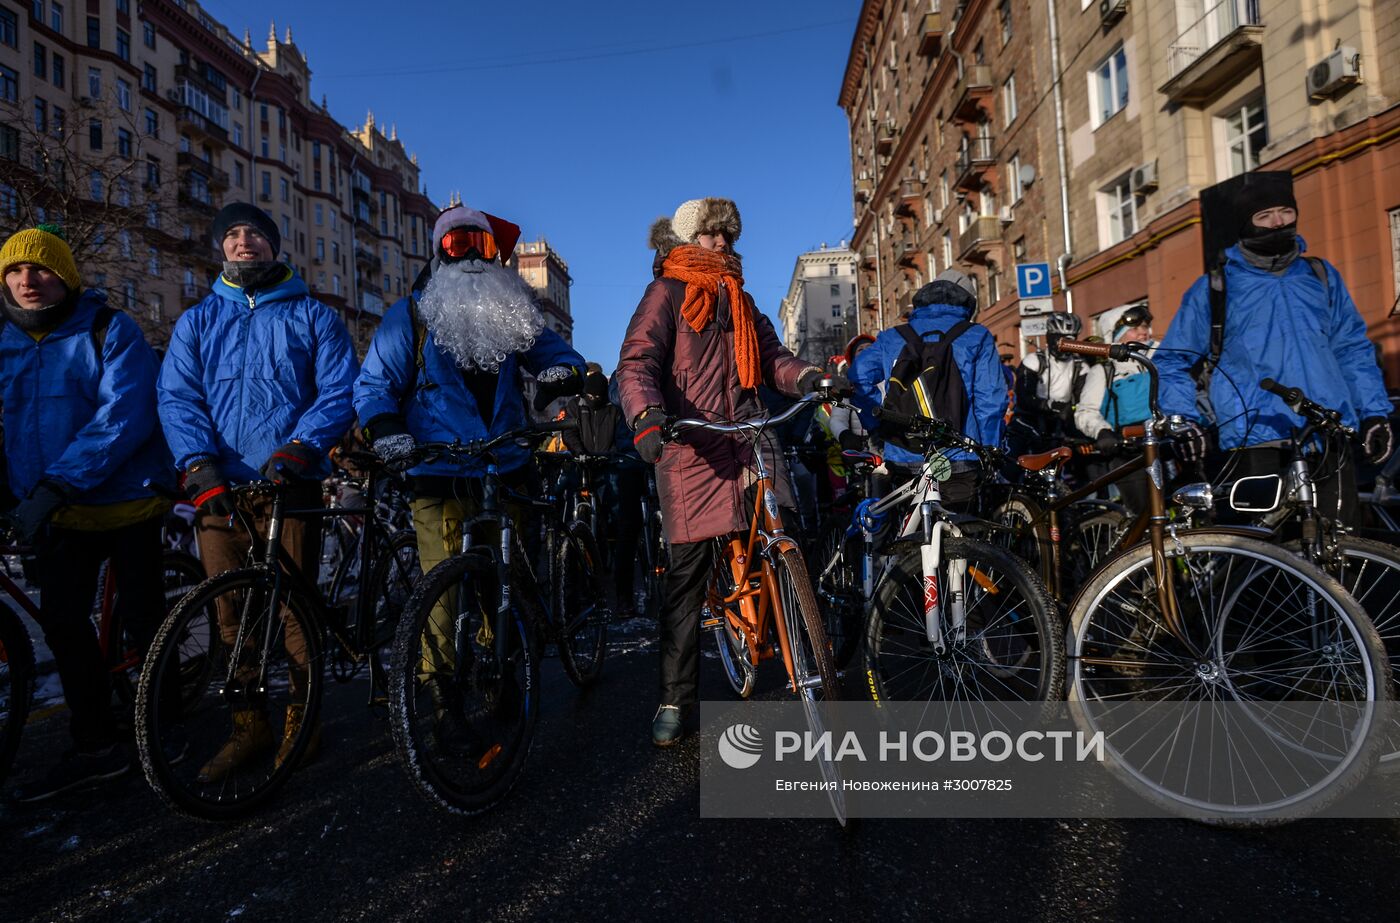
[(260, 381)]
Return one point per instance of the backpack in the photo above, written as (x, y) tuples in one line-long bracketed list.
[(926, 381), (1203, 368), (1126, 399)]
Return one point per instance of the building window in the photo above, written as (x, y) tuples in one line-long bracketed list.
[(124, 142), (1014, 184), (148, 34), (286, 189), (94, 83), (95, 134), (41, 61), (9, 33), (836, 310), (320, 249), (1246, 134), (123, 95), (320, 214), (95, 190), (286, 228), (9, 199), (267, 186), (56, 121), (152, 172), (9, 84), (1111, 85), (152, 124), (238, 174), (124, 6), (94, 32), (153, 214), (237, 134), (1395, 246), (153, 261), (947, 249), (9, 142), (41, 116), (264, 145), (60, 72), (1004, 15), (1008, 99), (1121, 205), (835, 287), (124, 45), (148, 78), (56, 17)]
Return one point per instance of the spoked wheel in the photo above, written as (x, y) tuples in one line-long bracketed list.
[(462, 715), (1092, 537), (740, 670), (1268, 709), (1010, 648), (581, 607), (649, 567), (16, 685), (840, 591), (217, 740), (1021, 520), (812, 664)]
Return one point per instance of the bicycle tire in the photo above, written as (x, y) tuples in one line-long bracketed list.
[(1016, 663), (840, 594), (391, 593), (577, 581), (16, 685), (740, 670), (413, 735), (1114, 663), (164, 741)]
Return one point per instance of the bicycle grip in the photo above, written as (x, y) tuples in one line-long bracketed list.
[(1085, 348), (895, 418), (1291, 396)]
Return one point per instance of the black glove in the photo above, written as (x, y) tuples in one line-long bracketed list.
[(648, 434), (1377, 441), (1108, 441), (556, 381), (29, 517), (851, 441), (205, 486), (295, 461), (811, 379), (1190, 441)]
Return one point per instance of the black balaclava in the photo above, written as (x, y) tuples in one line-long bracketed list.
[(251, 275), (1268, 189), (595, 388)]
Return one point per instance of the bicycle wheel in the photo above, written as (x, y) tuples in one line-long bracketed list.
[(812, 663), (16, 685), (1023, 523), (1095, 531), (217, 742), (840, 589), (1270, 712), (182, 572), (462, 717), (740, 670), (396, 572), (1370, 571), (1011, 649), (580, 606), (649, 568)]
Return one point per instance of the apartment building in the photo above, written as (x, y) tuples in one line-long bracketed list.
[(541, 266), (817, 316), (959, 128), (132, 124)]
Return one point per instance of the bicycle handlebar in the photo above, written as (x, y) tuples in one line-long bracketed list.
[(752, 425), (1299, 403), (430, 451), (934, 429)]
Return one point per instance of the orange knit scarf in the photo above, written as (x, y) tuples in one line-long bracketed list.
[(703, 272)]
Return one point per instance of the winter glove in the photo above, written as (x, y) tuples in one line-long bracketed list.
[(810, 380), (29, 517), (394, 449), (295, 461), (850, 441), (648, 434), (556, 381), (1377, 441), (1108, 441), (1190, 441), (205, 486)]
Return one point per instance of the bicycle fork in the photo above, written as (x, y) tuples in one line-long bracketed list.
[(931, 556)]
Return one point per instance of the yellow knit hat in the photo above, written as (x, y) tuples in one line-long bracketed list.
[(43, 247)]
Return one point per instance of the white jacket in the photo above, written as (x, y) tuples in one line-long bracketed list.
[(1087, 416)]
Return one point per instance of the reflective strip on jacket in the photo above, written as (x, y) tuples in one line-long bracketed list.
[(442, 408), (247, 374), (1284, 327), (70, 418)]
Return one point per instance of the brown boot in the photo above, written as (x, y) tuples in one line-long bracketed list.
[(251, 737), (295, 714)]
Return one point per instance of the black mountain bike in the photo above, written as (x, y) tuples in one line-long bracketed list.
[(464, 686)]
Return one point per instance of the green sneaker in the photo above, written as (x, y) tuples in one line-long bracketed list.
[(666, 726)]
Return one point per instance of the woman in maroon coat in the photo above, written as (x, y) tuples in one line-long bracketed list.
[(690, 353)]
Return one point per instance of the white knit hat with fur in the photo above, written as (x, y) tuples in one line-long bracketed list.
[(711, 214)]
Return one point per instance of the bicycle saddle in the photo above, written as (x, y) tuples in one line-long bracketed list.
[(1043, 460)]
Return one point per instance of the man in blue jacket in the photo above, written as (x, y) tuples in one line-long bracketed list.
[(1289, 318), (256, 384), (445, 365), (78, 384), (938, 307)]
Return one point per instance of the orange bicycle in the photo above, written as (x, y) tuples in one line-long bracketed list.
[(760, 588)]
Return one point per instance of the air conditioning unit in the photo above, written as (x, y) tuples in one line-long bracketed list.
[(1006, 215), (1110, 11), (923, 177), (174, 95), (1339, 70), (1144, 177), (265, 196), (938, 216)]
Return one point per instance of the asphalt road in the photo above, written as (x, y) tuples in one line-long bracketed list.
[(604, 826)]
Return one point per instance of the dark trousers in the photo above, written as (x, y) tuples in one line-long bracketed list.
[(68, 562), (686, 578), (622, 503), (1333, 495)]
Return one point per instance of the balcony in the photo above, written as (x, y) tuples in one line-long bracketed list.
[(864, 188), (189, 160), (201, 125), (982, 236), (371, 299), (884, 136), (186, 74), (974, 162), (201, 203), (872, 294), (868, 257), (368, 259), (1214, 52), (972, 93), (906, 252), (910, 193), (931, 42)]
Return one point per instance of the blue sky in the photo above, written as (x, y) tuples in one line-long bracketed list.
[(582, 122)]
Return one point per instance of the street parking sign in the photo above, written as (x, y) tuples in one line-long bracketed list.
[(1033, 280)]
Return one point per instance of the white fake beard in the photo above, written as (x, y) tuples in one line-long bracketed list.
[(480, 313)]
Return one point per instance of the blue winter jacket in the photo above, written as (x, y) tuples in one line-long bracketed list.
[(68, 417), (1283, 327), (975, 353), (245, 374), (440, 407)]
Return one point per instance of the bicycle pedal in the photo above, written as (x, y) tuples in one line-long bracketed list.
[(712, 623)]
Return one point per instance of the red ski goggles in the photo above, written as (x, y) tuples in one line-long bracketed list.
[(460, 243)]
